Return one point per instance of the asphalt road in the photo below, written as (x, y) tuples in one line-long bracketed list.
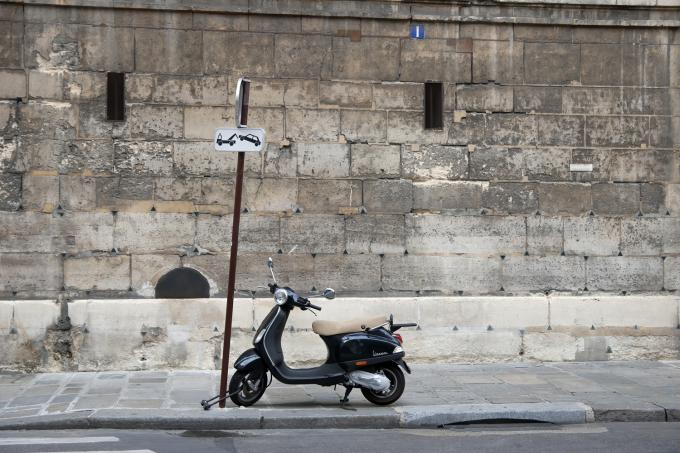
[(507, 438)]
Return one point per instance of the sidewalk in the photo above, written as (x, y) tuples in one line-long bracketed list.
[(566, 392)]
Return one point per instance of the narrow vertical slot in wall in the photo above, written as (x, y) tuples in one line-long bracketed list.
[(115, 96), (434, 105)]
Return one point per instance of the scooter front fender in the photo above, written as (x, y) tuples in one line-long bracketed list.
[(248, 361), (402, 363)]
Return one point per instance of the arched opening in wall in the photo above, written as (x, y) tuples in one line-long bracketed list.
[(182, 283)]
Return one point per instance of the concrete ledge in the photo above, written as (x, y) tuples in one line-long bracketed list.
[(310, 418)]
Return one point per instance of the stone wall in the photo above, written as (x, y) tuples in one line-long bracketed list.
[(352, 192)]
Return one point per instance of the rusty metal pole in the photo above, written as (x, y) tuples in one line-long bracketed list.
[(238, 186)]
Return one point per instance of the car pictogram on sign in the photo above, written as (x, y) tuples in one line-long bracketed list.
[(250, 138)]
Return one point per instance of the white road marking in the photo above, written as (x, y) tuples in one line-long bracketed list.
[(500, 432), (54, 440)]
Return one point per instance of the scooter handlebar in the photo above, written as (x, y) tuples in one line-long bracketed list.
[(315, 307)]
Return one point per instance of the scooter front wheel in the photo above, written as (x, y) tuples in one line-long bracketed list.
[(397, 385), (247, 388)]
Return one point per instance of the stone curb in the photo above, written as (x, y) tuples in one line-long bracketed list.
[(312, 418)]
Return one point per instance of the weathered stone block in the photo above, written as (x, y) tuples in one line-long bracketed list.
[(456, 196), (44, 233), (407, 127), (330, 25), (448, 274), (435, 162), (312, 125), (538, 99), (510, 198), (617, 273), (633, 165), (496, 163), (364, 125), (13, 84), (257, 233), (601, 64), (469, 130), (177, 189), (305, 56), (511, 129), (561, 130), (375, 160), (547, 164), (345, 94), (10, 192), (81, 47), (434, 59), (210, 21), (672, 204), (143, 158), (97, 273), (671, 273), (168, 51), (592, 236), (542, 33), (313, 233), (48, 120), (139, 87), (671, 235), (396, 28), (655, 66), (153, 232), (204, 90), (674, 65), (349, 58), (200, 159), (125, 193), (269, 119), (323, 195), (543, 273), (77, 193), (398, 96), (346, 273), (593, 100), (377, 234), (83, 156), (564, 198), (301, 93), (274, 23), (478, 235), (8, 154), (146, 270), (72, 85), (11, 44), (641, 236), (239, 53), (217, 195), (551, 63), (92, 122), (40, 193), (156, 122), (497, 61), (600, 159), (652, 198), (30, 272), (545, 235), (323, 160), (388, 196), (662, 133), (484, 98), (616, 199), (280, 161), (626, 131), (270, 195)]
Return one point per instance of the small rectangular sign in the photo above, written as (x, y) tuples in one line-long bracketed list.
[(418, 31), (239, 139), (581, 167)]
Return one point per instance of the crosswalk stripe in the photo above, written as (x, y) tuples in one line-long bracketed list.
[(54, 440)]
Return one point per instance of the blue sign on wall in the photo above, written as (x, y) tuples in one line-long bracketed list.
[(418, 31)]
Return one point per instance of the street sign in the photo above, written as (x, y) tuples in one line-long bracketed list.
[(418, 31), (240, 139)]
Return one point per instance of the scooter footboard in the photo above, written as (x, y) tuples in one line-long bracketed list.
[(249, 361)]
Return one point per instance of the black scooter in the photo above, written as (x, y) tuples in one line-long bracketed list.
[(362, 353)]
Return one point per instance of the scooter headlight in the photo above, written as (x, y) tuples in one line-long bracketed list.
[(397, 350), (280, 296)]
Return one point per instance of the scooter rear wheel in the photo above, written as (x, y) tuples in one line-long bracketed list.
[(247, 388), (396, 388)]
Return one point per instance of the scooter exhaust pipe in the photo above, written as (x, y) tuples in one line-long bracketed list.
[(373, 381)]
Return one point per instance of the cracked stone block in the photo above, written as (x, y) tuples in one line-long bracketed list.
[(375, 234), (435, 162), (313, 233), (375, 160), (320, 195), (40, 193), (10, 192)]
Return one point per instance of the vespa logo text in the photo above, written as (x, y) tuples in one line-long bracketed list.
[(379, 353)]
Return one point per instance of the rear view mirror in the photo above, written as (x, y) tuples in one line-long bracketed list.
[(329, 293)]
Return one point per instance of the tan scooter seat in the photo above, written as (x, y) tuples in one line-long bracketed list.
[(326, 328)]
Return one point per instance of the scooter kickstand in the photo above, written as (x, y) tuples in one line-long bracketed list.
[(344, 399)]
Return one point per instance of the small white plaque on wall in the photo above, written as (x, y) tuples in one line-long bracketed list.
[(580, 167)]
